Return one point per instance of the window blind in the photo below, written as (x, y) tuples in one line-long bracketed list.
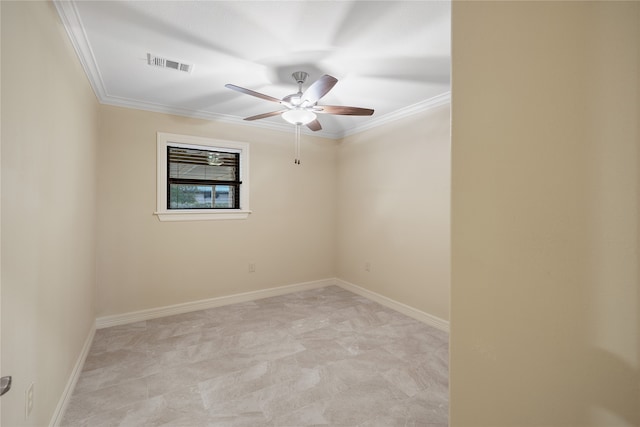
[(202, 179)]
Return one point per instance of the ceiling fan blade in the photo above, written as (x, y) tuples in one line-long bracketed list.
[(314, 125), (265, 115), (318, 89), (252, 93), (342, 110)]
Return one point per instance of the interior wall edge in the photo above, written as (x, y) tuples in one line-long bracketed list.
[(405, 309), (158, 312), (65, 397), (170, 310)]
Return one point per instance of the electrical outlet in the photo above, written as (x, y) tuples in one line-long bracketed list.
[(252, 267), (367, 266), (28, 401)]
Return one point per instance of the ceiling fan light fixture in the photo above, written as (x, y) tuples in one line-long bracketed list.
[(299, 117)]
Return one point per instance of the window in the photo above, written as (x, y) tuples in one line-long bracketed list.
[(201, 178)]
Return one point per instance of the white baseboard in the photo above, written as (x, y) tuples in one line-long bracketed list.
[(137, 316), (58, 414), (427, 318), (154, 313), (104, 322), (170, 310)]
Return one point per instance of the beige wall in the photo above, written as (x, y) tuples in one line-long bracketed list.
[(144, 263), (545, 239), (393, 211), (49, 137), (545, 198), (305, 223), (79, 192)]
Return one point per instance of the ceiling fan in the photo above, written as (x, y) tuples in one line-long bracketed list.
[(301, 108)]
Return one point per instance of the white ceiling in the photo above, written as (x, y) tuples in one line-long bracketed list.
[(391, 56)]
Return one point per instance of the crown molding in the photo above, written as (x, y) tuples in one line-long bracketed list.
[(402, 113), (73, 26), (434, 102), (206, 115), (75, 29)]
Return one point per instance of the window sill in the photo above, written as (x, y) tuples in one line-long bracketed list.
[(201, 215)]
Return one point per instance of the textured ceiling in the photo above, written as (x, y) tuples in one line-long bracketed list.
[(391, 56)]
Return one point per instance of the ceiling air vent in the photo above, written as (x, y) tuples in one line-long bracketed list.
[(168, 63)]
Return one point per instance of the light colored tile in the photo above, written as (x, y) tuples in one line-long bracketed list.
[(323, 357), (244, 411), (364, 401), (191, 374), (424, 408), (320, 352), (286, 397), (133, 354), (235, 385), (115, 374), (310, 415), (89, 404)]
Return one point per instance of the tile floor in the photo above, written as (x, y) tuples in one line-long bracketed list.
[(324, 357)]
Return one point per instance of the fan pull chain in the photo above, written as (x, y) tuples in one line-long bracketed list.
[(297, 145)]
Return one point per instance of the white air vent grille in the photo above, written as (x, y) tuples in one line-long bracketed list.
[(168, 63)]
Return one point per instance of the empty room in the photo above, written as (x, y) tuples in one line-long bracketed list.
[(338, 213)]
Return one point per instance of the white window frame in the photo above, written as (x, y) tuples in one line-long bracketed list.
[(165, 140)]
